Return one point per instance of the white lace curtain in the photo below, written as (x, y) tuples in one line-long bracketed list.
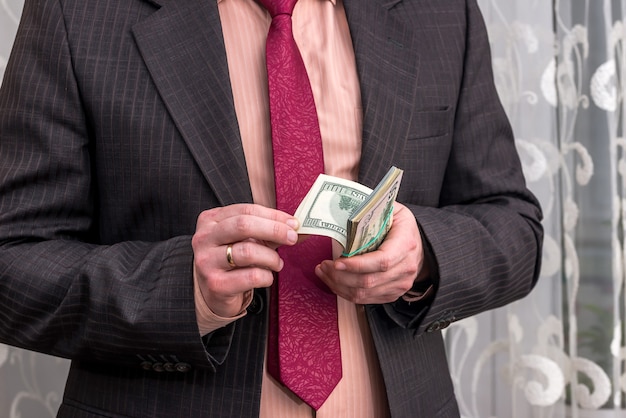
[(560, 67), (560, 71)]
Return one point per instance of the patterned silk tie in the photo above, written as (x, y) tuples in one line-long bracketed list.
[(304, 352)]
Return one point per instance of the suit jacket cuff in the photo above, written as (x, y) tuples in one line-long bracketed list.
[(410, 310)]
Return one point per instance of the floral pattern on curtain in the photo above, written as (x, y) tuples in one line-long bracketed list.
[(560, 69)]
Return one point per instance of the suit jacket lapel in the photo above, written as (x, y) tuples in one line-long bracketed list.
[(387, 65), (183, 48)]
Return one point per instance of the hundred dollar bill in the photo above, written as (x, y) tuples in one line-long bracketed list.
[(369, 224), (354, 215), (328, 205)]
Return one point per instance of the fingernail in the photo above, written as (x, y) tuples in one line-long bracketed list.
[(293, 223), (292, 235), (340, 266), (319, 270)]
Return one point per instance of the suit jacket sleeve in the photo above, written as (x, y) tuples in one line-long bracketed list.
[(63, 289), (483, 236)]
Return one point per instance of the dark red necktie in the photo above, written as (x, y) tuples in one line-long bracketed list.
[(304, 352)]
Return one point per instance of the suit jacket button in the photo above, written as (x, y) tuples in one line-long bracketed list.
[(256, 305), (183, 367), (146, 365), (435, 326)]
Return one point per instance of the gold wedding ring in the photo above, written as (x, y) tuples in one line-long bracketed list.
[(229, 256)]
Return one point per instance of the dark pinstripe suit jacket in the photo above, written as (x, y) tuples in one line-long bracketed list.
[(117, 128)]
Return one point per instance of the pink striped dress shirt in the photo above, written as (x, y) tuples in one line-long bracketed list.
[(322, 34)]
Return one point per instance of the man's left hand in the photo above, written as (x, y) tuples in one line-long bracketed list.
[(380, 276)]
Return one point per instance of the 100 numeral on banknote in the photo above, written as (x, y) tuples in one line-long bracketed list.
[(349, 212)]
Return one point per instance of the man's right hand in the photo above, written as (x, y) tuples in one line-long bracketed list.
[(253, 233)]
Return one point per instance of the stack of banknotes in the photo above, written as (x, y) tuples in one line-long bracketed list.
[(349, 212)]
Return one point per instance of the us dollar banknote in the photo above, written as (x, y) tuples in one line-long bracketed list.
[(353, 214)]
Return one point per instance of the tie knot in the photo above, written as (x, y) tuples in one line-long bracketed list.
[(278, 7)]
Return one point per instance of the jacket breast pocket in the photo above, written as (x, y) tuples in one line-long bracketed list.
[(431, 122), (425, 155)]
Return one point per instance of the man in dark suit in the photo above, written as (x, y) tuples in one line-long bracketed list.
[(124, 179)]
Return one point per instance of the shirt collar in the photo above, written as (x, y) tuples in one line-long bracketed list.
[(334, 2)]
